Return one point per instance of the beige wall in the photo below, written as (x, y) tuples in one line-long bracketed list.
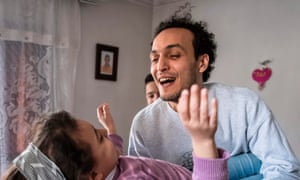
[(127, 26)]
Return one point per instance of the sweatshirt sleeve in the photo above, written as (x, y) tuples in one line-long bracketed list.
[(211, 169), (268, 142)]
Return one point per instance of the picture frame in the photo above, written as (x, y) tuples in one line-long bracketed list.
[(106, 65)]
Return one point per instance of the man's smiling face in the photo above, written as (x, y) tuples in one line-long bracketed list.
[(173, 64)]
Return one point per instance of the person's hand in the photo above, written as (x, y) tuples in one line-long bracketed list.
[(105, 118), (202, 125)]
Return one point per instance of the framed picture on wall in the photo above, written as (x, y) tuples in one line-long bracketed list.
[(106, 62)]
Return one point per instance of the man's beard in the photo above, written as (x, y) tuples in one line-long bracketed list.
[(175, 96)]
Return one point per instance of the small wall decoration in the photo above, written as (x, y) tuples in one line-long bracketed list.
[(106, 65), (263, 74), (184, 11)]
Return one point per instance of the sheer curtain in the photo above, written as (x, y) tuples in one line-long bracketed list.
[(39, 45)]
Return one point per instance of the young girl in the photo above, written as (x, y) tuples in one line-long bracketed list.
[(67, 148)]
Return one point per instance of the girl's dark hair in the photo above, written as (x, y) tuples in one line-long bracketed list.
[(203, 43), (55, 136)]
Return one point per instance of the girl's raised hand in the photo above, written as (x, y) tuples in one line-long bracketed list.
[(105, 118), (194, 112)]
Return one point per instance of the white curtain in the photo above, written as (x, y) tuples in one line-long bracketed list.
[(39, 45)]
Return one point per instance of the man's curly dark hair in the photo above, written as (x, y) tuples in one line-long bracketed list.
[(203, 43)]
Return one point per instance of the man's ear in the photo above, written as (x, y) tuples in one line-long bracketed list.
[(203, 62)]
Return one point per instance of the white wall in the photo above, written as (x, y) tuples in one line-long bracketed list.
[(127, 26), (163, 11), (249, 32)]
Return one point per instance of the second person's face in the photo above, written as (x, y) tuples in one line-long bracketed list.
[(151, 92), (173, 64)]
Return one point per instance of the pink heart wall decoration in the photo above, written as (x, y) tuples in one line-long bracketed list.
[(262, 76)]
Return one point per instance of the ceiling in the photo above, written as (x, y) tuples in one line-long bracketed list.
[(153, 2)]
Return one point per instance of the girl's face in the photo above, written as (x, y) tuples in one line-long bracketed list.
[(103, 150)]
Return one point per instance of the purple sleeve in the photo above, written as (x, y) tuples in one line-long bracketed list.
[(211, 169), (117, 141)]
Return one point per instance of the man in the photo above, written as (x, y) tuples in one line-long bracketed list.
[(183, 53), (151, 91)]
